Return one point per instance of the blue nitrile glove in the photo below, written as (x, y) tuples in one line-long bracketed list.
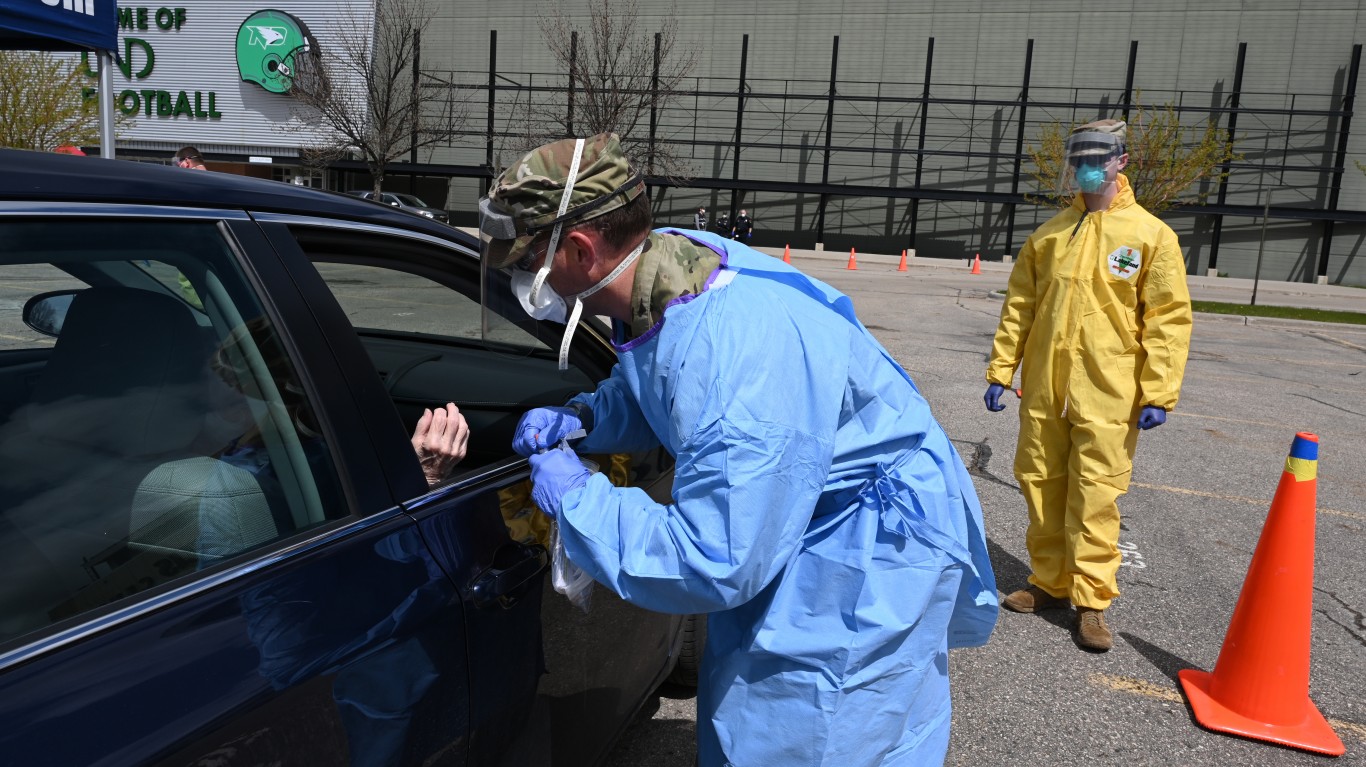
[(553, 474), (1151, 416), (543, 428), (993, 398)]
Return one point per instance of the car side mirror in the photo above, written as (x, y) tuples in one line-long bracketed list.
[(46, 312)]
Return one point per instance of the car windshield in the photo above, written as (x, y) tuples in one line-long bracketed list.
[(408, 199)]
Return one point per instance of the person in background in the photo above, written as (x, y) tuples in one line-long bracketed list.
[(699, 220), (744, 227), (819, 514), (723, 224), (189, 157), (1098, 315)]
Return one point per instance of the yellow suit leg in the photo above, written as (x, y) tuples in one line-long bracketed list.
[(1041, 461), (1099, 468)]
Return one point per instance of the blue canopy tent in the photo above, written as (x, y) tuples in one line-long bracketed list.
[(68, 25)]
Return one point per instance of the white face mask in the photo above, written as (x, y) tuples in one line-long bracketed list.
[(548, 304), (541, 301)]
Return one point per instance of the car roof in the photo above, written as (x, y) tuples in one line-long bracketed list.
[(51, 177)]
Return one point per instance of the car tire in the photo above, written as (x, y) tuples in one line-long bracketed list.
[(690, 652)]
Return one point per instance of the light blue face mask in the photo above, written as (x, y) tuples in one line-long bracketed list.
[(1091, 178)]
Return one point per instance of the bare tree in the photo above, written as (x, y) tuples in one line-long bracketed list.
[(619, 71), (43, 103), (360, 87)]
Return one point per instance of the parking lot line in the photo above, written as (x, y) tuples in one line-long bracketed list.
[(1241, 499)]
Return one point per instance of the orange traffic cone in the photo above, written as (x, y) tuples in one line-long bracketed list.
[(787, 254), (853, 262), (1260, 685), (977, 263), (902, 266)]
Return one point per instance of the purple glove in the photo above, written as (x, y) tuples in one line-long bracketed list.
[(543, 428), (993, 398), (553, 474), (1151, 416)]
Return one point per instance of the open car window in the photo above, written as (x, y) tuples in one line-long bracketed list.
[(416, 308)]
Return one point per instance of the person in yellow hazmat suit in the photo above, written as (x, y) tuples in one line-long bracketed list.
[(1098, 318)]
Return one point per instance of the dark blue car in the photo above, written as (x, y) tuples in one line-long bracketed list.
[(219, 547)]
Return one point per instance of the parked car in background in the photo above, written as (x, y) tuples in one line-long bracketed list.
[(404, 202), (218, 543)]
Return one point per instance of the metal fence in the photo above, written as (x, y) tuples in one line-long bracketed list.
[(912, 164)]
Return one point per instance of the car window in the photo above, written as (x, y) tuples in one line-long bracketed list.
[(411, 200), (388, 298), (162, 431), (416, 308)]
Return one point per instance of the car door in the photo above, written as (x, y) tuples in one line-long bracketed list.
[(204, 561), (549, 683)]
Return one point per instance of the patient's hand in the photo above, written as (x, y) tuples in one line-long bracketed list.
[(440, 440)]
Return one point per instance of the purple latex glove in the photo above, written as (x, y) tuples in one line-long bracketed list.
[(553, 474), (993, 398), (1151, 416), (543, 428)]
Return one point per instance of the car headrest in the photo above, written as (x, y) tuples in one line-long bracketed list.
[(126, 375)]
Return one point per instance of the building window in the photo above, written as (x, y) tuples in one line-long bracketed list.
[(297, 176)]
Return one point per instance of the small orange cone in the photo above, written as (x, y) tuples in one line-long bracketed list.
[(1019, 394), (1260, 685), (902, 266), (787, 254), (853, 262), (977, 263)]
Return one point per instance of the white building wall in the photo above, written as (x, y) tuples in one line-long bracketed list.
[(200, 59)]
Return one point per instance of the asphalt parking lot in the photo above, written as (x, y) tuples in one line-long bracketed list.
[(1201, 489)]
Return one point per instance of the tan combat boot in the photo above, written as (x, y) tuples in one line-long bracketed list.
[(1032, 599), (1092, 633)]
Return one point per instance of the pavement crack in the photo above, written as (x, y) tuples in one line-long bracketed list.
[(973, 352), (1327, 404), (980, 296), (1358, 631), (1335, 341)]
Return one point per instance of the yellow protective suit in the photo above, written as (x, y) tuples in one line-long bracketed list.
[(1099, 314)]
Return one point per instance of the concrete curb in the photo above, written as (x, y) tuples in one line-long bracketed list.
[(1286, 322)]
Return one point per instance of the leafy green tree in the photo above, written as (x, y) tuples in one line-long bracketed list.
[(1166, 159), (43, 103)]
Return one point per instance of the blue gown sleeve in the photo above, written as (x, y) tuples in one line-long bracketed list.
[(755, 415), (618, 424)]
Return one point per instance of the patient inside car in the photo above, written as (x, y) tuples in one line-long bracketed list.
[(243, 466)]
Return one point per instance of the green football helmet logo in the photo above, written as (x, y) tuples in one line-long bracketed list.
[(266, 44)]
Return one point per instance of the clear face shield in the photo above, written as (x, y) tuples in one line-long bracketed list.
[(1089, 163), (502, 319)]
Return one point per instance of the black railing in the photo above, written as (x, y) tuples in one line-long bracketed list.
[(930, 141)]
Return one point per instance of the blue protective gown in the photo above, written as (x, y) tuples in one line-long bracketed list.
[(820, 515)]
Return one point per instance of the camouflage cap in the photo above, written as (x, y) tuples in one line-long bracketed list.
[(529, 191), (1100, 137)]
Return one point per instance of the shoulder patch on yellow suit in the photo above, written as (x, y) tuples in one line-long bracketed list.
[(1125, 261)]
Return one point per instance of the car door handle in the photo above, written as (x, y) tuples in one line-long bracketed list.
[(515, 568)]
